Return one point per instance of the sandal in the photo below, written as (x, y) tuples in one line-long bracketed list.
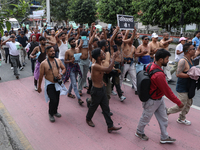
[(86, 87), (80, 93), (71, 95), (80, 101)]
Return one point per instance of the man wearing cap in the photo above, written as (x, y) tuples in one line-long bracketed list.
[(5, 47), (154, 46), (12, 31), (14, 53), (22, 39), (178, 54)]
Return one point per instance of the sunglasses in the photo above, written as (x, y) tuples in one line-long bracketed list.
[(192, 49), (119, 37), (146, 39)]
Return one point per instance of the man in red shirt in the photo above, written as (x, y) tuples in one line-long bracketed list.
[(155, 104), (36, 33)]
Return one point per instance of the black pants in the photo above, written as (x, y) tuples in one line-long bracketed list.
[(99, 97), (54, 99), (33, 64), (116, 83)]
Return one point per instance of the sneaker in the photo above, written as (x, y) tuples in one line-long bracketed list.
[(21, 68), (142, 136), (136, 93), (114, 93), (51, 118), (17, 77), (58, 115), (11, 68), (35, 88), (186, 122), (126, 79), (122, 98), (168, 140)]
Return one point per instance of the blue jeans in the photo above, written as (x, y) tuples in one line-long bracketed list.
[(73, 76)]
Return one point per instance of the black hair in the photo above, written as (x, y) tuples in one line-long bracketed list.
[(196, 33), (70, 39), (102, 43), (64, 29), (47, 48), (129, 36), (95, 39), (162, 53), (144, 36), (61, 34), (186, 47), (33, 35), (42, 38), (116, 37), (96, 53), (100, 32), (84, 33)]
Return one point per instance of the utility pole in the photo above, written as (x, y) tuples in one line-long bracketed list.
[(48, 12)]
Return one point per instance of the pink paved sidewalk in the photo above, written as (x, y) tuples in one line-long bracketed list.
[(70, 132)]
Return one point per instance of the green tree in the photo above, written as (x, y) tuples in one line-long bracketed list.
[(58, 10), (108, 9), (82, 11), (167, 13)]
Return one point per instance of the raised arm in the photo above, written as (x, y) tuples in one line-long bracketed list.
[(69, 33), (78, 34), (113, 36), (132, 37), (126, 35), (56, 36)]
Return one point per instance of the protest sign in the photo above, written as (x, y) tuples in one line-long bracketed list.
[(125, 22)]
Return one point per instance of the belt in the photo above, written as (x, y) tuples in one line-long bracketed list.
[(156, 99), (127, 62)]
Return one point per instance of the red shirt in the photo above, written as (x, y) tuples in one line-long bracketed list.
[(159, 83), (37, 36)]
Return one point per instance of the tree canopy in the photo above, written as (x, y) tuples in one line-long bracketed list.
[(108, 9), (167, 12), (82, 11)]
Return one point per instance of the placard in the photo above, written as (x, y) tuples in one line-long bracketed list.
[(125, 22)]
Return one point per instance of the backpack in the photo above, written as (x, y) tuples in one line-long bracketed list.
[(144, 82)]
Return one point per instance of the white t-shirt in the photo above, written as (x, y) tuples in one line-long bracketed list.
[(13, 48), (180, 48), (4, 38)]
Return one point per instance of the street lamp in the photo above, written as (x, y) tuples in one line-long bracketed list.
[(48, 11)]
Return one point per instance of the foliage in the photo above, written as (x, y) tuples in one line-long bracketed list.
[(82, 11), (167, 12), (20, 11), (108, 9)]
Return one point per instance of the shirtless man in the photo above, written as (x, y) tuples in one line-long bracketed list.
[(50, 67), (98, 91), (117, 44), (128, 53), (143, 52), (84, 65), (38, 50), (164, 43), (73, 69), (154, 46)]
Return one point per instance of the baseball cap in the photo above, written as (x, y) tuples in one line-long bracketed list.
[(22, 32), (182, 39), (12, 36), (5, 31), (154, 35)]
